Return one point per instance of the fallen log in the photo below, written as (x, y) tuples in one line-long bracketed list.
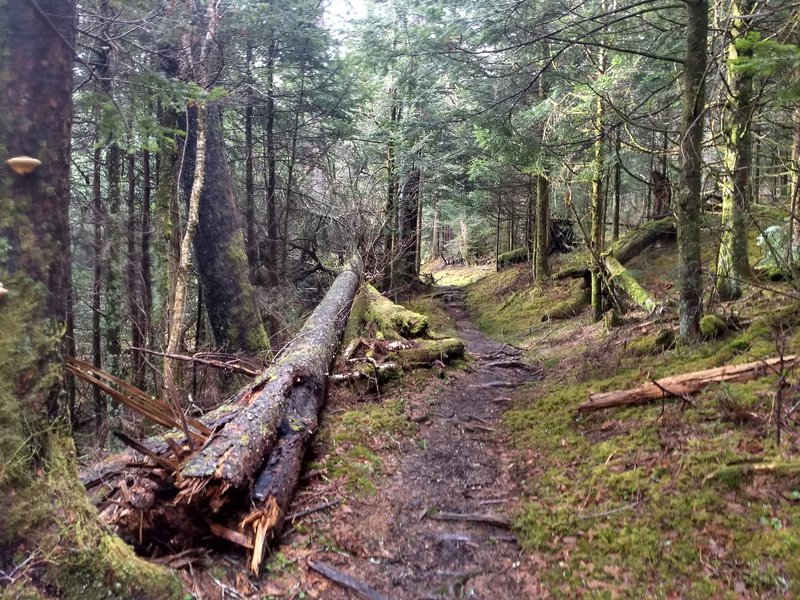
[(425, 352), (341, 578), (622, 278), (628, 248), (633, 244), (392, 320), (233, 455), (683, 385)]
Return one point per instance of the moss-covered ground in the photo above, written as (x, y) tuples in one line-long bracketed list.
[(618, 502)]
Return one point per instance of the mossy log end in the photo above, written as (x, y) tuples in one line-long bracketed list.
[(392, 320), (425, 352), (637, 241), (234, 454), (620, 277), (735, 476)]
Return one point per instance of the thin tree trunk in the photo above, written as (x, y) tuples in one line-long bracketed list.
[(597, 211), (133, 281), (688, 199), (250, 205), (617, 189), (733, 264), (541, 262), (146, 269), (113, 314), (98, 399), (272, 186)]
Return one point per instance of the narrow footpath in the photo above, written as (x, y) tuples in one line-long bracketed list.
[(423, 535)]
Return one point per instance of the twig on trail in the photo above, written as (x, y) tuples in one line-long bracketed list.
[(503, 350), (509, 364), (345, 580), (475, 427), (495, 384), (500, 399), (608, 512), (471, 517), (312, 509)]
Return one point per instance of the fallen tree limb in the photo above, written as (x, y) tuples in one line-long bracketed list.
[(733, 475), (343, 579), (687, 383), (471, 517)]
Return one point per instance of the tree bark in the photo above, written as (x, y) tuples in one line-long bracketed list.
[(733, 263), (689, 201), (541, 262), (272, 183), (598, 226), (221, 256), (42, 505)]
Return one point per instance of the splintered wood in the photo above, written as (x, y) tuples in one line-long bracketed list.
[(234, 475), (681, 386)]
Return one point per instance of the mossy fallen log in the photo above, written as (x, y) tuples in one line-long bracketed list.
[(425, 352), (513, 257), (637, 241), (232, 456), (738, 474), (622, 279), (392, 320)]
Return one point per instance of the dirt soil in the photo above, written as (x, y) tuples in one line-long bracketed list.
[(458, 463)]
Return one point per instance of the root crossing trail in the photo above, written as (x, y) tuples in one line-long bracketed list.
[(421, 535)]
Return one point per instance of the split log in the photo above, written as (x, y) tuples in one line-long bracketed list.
[(233, 455), (392, 320), (688, 383)]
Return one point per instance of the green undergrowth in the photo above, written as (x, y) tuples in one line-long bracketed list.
[(354, 439), (506, 305), (460, 275), (618, 502)]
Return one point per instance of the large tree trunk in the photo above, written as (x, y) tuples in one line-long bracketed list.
[(733, 264), (42, 505), (221, 257), (689, 201)]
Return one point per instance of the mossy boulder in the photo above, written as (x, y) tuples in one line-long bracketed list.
[(713, 327)]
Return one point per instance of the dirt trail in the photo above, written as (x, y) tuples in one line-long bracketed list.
[(462, 467)]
